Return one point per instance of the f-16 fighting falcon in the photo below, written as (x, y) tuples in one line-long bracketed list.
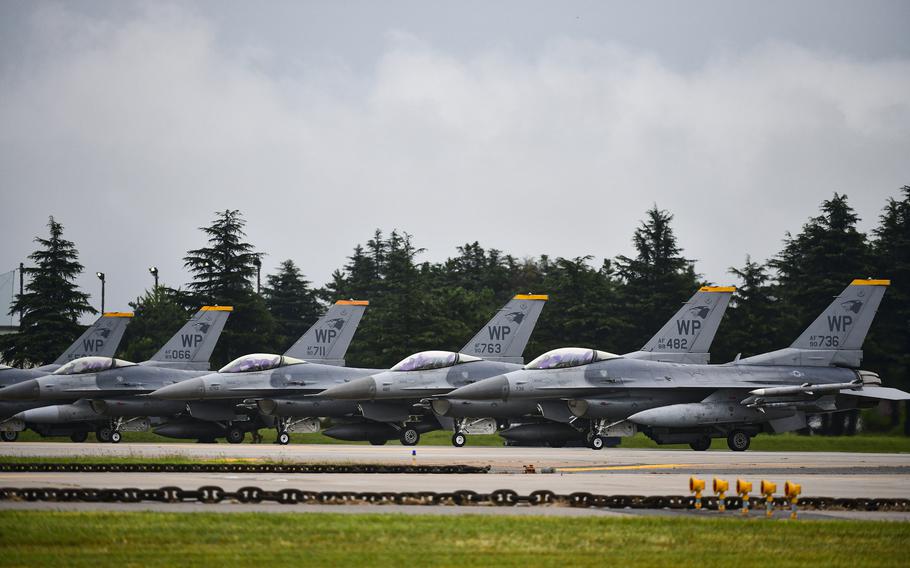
[(214, 406), (281, 383), (100, 339), (673, 403), (685, 338), (83, 381), (388, 401)]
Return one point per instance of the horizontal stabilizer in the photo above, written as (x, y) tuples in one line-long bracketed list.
[(881, 393)]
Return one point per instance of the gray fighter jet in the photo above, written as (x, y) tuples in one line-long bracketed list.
[(76, 384), (686, 338), (280, 384), (388, 401), (673, 403), (222, 410), (100, 339)]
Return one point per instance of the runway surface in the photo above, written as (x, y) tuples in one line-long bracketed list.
[(500, 458), (609, 471)]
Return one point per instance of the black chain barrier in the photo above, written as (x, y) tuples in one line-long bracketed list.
[(211, 494), (236, 468)]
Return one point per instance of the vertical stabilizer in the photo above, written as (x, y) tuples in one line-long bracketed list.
[(836, 336), (687, 336), (101, 339), (328, 339), (192, 346), (505, 337)]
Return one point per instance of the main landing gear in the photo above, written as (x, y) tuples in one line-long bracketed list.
[(458, 439), (235, 435), (105, 435), (409, 436), (738, 441)]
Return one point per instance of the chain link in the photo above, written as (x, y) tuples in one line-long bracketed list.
[(211, 494)]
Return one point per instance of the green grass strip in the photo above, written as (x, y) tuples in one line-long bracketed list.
[(32, 538)]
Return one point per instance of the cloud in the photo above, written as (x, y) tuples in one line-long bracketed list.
[(133, 131)]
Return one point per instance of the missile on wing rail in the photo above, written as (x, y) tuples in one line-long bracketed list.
[(806, 389)]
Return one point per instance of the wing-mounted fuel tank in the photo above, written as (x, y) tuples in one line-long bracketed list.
[(460, 408), (306, 407), (138, 406)]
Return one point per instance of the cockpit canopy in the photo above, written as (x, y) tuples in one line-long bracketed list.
[(259, 362), (84, 365), (569, 357), (426, 360)]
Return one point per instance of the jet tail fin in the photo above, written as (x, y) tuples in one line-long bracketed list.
[(837, 334), (687, 336), (328, 339), (191, 347), (505, 337), (101, 339)]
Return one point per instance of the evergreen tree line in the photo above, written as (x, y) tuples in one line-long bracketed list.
[(417, 305)]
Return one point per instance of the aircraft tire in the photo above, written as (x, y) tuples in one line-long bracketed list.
[(78, 437), (596, 443), (701, 444), (378, 442), (116, 437), (409, 437), (235, 435), (9, 436), (738, 441), (458, 439), (284, 438), (103, 434)]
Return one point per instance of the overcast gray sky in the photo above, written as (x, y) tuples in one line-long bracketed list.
[(532, 127)]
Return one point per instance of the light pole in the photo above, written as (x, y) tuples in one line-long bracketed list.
[(21, 287), (100, 276), (153, 270), (258, 263)]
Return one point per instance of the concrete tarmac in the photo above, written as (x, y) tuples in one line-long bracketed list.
[(609, 471), (500, 458)]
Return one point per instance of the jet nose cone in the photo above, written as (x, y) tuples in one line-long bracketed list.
[(358, 389), (190, 389), (26, 390), (488, 389)]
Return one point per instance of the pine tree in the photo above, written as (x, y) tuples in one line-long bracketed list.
[(158, 314), (750, 326), (888, 348), (817, 264), (291, 302), (583, 309), (51, 304), (656, 281), (222, 274)]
